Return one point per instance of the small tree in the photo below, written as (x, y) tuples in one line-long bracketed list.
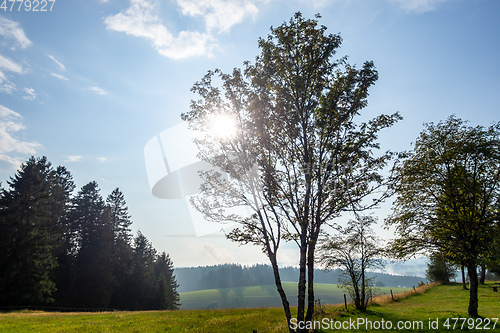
[(439, 269), (354, 250)]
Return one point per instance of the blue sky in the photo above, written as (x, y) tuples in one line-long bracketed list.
[(89, 83)]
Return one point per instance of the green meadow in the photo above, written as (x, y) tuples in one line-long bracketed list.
[(262, 296), (439, 303)]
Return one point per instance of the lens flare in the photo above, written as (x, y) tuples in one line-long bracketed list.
[(223, 126)]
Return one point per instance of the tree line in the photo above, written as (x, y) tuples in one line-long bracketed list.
[(75, 250), (236, 275)]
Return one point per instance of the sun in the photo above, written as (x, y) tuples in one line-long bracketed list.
[(223, 126)]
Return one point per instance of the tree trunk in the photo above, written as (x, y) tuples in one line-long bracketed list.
[(310, 282), (279, 287), (473, 280), (301, 295), (482, 276), (464, 282), (363, 289)]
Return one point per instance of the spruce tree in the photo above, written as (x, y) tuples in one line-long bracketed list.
[(119, 216), (30, 232), (92, 241), (167, 297), (122, 251), (142, 279)]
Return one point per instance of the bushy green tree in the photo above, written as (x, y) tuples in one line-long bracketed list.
[(448, 196), (439, 269)]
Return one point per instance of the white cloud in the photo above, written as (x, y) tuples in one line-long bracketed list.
[(8, 163), (11, 30), (140, 20), (10, 124), (418, 6), (73, 158), (60, 77), (188, 44), (213, 254), (219, 14), (98, 91), (8, 65), (30, 94), (61, 66), (6, 87), (102, 159)]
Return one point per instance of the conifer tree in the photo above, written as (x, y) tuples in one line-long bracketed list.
[(166, 285), (31, 210), (122, 251), (92, 240), (119, 217)]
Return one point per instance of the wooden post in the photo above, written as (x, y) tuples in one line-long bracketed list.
[(392, 296), (345, 302), (415, 290)]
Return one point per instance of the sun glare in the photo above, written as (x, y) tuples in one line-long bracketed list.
[(223, 126)]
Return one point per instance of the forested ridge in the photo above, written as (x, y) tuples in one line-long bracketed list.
[(72, 249)]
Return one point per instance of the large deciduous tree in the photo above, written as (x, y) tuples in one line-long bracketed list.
[(448, 196), (297, 158)]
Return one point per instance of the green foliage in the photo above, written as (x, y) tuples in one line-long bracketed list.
[(449, 195), (439, 269), (30, 214), (92, 243), (75, 251), (119, 217)]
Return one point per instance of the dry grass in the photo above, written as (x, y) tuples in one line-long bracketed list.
[(386, 299)]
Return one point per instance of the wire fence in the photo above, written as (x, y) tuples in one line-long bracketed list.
[(52, 309)]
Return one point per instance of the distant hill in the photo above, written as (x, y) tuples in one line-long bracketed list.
[(233, 275)]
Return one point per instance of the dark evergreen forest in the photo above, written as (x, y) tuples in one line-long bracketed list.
[(70, 250)]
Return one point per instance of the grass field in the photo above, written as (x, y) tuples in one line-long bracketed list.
[(262, 296), (440, 302)]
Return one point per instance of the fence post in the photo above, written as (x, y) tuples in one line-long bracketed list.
[(345, 302), (392, 296)]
